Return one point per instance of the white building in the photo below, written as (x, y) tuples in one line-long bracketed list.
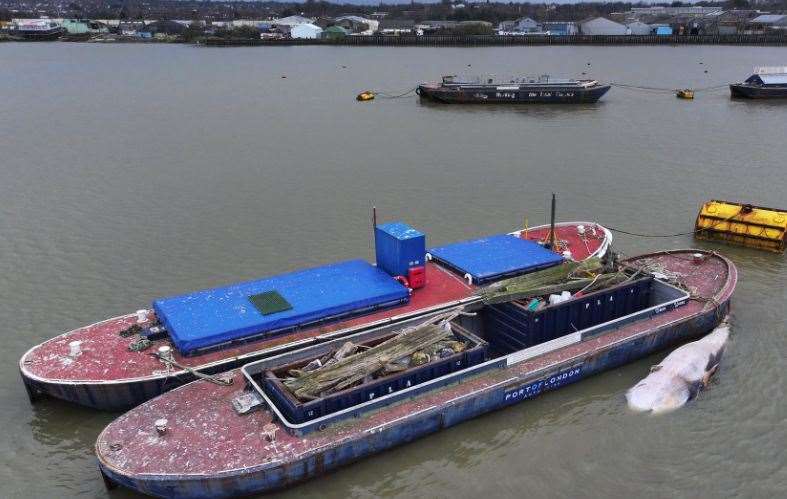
[(307, 30), (356, 24), (675, 11), (639, 28), (285, 24), (292, 21), (602, 26)]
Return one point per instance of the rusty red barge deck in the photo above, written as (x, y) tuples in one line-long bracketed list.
[(205, 448), (107, 375)]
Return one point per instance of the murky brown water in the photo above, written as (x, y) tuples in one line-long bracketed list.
[(131, 172)]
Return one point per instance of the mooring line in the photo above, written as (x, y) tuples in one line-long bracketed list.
[(644, 88)]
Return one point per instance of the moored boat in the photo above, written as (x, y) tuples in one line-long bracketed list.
[(765, 83), (38, 30), (207, 440), (123, 361), (544, 90)]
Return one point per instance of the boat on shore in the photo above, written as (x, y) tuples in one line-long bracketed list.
[(208, 440), (37, 30), (765, 83), (544, 90), (123, 361)]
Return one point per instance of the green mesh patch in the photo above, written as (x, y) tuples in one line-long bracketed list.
[(270, 302)]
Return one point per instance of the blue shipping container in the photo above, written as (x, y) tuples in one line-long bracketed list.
[(399, 247), (511, 326)]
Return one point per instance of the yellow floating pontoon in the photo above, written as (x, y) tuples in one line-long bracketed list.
[(742, 224), (685, 93)]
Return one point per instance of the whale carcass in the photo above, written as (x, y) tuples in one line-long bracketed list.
[(681, 375)]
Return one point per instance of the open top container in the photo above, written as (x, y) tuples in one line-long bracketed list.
[(512, 326), (299, 412), (508, 333)]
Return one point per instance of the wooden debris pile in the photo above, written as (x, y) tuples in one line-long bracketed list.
[(352, 365), (586, 276)]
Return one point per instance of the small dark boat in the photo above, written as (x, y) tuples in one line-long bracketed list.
[(544, 89), (211, 440), (765, 83)]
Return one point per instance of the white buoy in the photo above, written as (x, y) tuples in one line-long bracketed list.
[(142, 316), (75, 349), (567, 255), (581, 230)]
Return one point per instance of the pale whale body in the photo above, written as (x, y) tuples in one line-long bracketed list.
[(681, 375)]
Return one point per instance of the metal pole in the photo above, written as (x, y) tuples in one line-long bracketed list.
[(552, 225), (373, 241)]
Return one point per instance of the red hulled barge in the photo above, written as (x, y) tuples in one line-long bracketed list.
[(210, 440), (123, 361)]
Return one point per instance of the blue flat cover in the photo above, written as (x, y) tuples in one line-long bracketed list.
[(495, 257), (213, 316)]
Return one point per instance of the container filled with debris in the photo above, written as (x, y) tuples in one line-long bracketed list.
[(357, 373)]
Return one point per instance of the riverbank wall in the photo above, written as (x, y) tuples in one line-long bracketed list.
[(498, 40)]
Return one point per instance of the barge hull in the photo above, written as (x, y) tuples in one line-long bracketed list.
[(752, 92), (276, 475), (108, 376), (549, 96), (108, 397), (124, 394)]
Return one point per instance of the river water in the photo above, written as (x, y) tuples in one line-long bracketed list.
[(129, 172)]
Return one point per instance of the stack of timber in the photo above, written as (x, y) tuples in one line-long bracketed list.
[(345, 368), (585, 276)]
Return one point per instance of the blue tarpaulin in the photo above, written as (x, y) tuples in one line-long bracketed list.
[(494, 257), (211, 317)]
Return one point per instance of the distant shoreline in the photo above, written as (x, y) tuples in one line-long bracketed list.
[(449, 40), (507, 40)]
